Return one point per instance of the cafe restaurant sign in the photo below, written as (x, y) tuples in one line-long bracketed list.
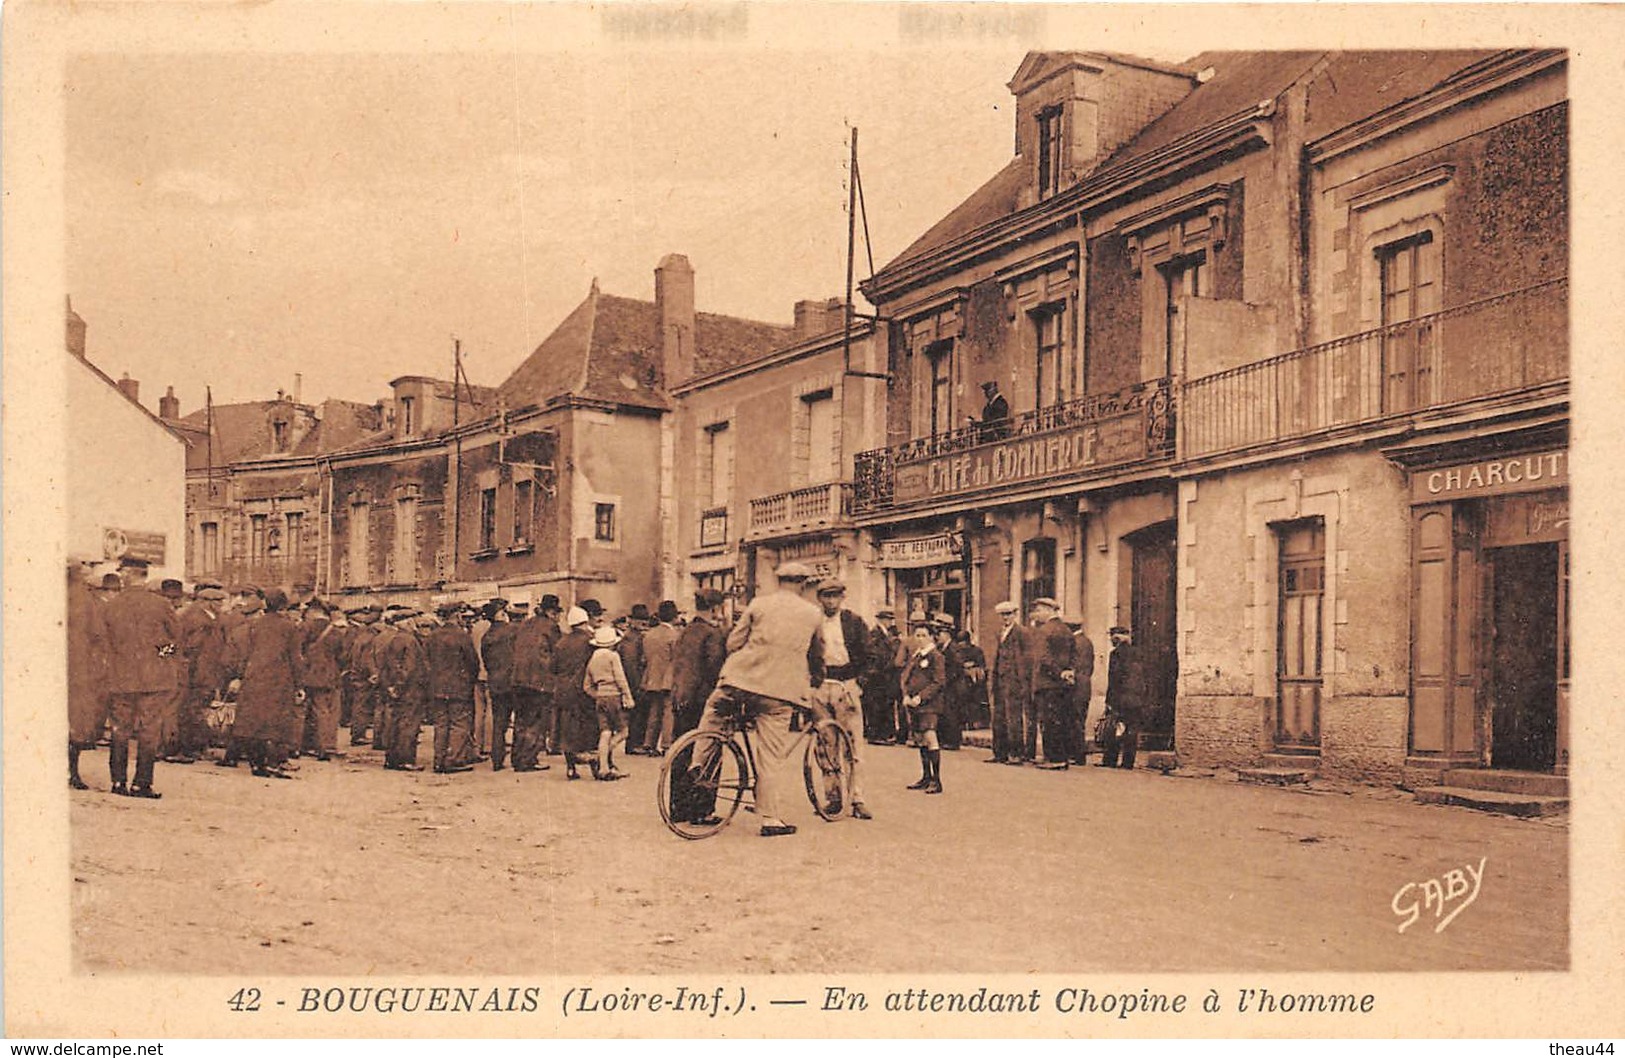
[(1492, 477), (133, 544), (915, 552), (1062, 452)]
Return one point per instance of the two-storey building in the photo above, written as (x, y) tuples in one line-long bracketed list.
[(1219, 299), (764, 453)]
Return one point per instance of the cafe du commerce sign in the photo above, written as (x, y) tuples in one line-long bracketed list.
[(1060, 452)]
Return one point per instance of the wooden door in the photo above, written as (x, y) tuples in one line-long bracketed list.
[(1154, 627), (1523, 657), (1302, 591)]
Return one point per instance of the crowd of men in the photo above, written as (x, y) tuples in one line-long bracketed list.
[(264, 676)]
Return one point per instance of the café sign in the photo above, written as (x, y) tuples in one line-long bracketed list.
[(1062, 452), (913, 553), (1492, 477)]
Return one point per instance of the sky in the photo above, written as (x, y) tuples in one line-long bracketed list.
[(235, 219)]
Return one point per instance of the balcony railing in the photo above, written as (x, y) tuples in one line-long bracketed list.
[(812, 507), (1071, 439), (1496, 345)]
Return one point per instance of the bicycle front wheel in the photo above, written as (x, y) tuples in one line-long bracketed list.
[(703, 780), (827, 767)]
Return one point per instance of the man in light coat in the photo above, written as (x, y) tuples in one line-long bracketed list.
[(770, 670)]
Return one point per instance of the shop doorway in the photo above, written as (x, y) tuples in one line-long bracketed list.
[(935, 589), (1522, 652), (1152, 605)]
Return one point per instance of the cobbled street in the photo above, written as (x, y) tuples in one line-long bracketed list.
[(352, 870)]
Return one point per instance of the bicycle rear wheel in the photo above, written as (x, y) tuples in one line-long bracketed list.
[(827, 768), (703, 780)]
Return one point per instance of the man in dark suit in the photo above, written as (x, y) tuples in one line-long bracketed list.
[(1009, 686), (144, 636), (497, 648), (323, 649), (453, 666), (400, 673), (696, 661), (87, 671), (533, 687), (1125, 700), (880, 688), (995, 424), (1083, 678), (1052, 680), (203, 645)]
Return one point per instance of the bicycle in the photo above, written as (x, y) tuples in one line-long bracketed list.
[(720, 766)]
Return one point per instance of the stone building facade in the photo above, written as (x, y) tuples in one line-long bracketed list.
[(1270, 356)]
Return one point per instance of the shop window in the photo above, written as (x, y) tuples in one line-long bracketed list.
[(257, 541), (603, 522), (1409, 276), (1049, 151), (1037, 572), (209, 536)]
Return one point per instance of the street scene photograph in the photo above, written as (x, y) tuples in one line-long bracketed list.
[(695, 506)]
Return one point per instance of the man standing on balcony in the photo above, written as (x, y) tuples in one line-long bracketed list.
[(1052, 675), (995, 422), (1009, 686)]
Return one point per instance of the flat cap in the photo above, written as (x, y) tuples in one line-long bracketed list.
[(1006, 607), (171, 587), (882, 614), (1119, 630), (1049, 602), (831, 587), (793, 571)]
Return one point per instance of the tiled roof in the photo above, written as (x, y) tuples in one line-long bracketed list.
[(1357, 84), (242, 431), (606, 349), (1349, 86)]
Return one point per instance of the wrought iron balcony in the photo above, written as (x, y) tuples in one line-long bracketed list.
[(1073, 440), (813, 507), (1497, 345)]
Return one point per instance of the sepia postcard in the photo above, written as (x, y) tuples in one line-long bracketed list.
[(818, 520)]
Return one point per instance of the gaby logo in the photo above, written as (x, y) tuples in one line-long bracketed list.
[(1453, 892)]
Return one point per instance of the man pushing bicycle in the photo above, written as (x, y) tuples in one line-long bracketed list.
[(774, 661)]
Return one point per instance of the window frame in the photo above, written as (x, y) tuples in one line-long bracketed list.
[(605, 529), (1051, 149)]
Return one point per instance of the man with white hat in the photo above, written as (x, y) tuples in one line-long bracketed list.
[(769, 670)]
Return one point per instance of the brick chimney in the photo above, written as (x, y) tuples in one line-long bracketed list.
[(169, 405), (819, 317), (76, 332), (674, 313), (130, 387)]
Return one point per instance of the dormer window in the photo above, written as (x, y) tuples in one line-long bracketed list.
[(1049, 151), (279, 436), (408, 421)]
